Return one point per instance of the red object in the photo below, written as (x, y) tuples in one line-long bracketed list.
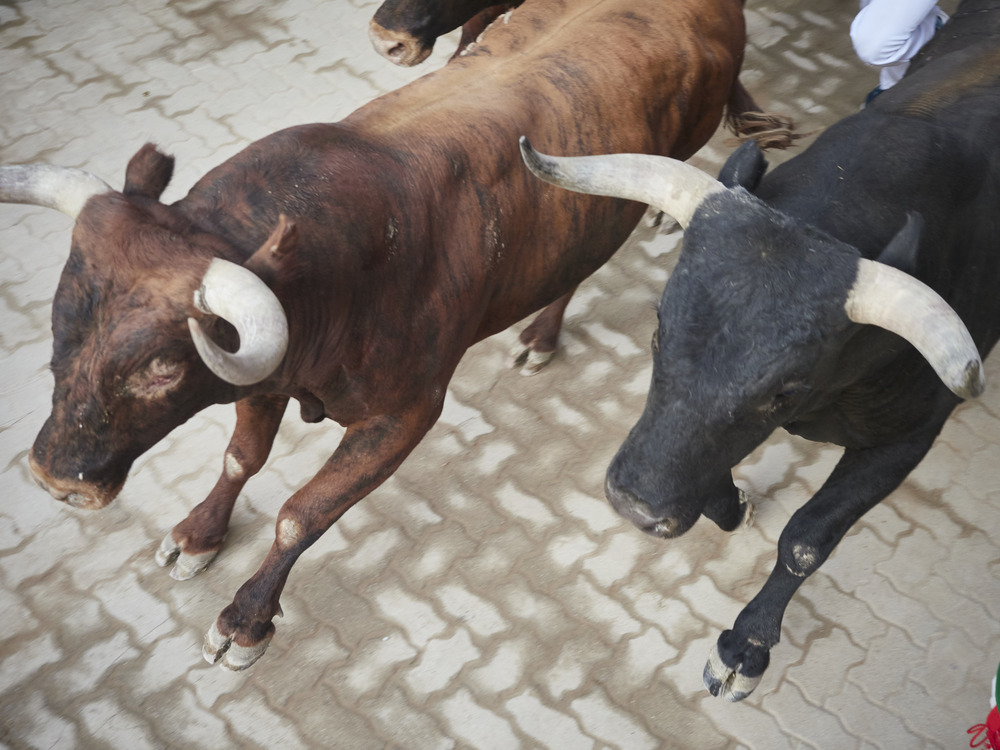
[(987, 735)]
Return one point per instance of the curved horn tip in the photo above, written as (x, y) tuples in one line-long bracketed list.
[(541, 165), (889, 298), (972, 383), (226, 366), (236, 294), (529, 154)]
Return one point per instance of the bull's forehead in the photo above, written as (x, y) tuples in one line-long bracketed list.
[(123, 236), (129, 279), (753, 298), (754, 262), (105, 337)]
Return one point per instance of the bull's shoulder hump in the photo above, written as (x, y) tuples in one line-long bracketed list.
[(972, 70), (608, 26)]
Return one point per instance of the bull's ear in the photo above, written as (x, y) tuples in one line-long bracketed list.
[(744, 167), (901, 252), (272, 256), (148, 173)]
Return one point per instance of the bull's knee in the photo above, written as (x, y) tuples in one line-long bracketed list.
[(233, 467), (289, 533), (800, 558)]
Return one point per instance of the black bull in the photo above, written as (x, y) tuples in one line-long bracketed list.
[(794, 304)]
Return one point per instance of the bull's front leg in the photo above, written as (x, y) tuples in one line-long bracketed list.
[(861, 479), (367, 455), (537, 343), (195, 541)]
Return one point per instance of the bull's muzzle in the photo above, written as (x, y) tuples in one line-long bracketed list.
[(639, 512), (398, 47), (75, 492)]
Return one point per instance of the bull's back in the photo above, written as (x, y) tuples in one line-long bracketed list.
[(926, 146), (577, 77)]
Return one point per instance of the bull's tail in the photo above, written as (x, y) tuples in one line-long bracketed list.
[(747, 120)]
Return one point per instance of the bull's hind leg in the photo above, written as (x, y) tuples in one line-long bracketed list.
[(195, 541), (537, 343), (859, 482), (367, 455)]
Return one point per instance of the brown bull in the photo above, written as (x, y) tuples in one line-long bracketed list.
[(352, 264)]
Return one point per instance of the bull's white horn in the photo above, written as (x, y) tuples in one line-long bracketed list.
[(889, 298), (62, 188), (672, 186), (239, 296)]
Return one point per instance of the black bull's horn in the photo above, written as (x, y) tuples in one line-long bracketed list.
[(889, 298), (672, 186)]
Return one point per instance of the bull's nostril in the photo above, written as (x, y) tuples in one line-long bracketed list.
[(614, 491), (619, 498), (396, 50), (642, 508), (666, 527), (631, 507)]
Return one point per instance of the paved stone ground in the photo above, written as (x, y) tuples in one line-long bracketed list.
[(486, 596)]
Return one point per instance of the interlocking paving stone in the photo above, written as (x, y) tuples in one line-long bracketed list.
[(486, 596)]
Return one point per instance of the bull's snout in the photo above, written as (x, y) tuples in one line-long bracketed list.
[(639, 512), (398, 47), (76, 493)]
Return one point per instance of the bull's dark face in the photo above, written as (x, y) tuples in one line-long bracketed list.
[(126, 371), (750, 322), (404, 31)]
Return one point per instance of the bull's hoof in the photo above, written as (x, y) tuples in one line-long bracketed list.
[(220, 649), (528, 361), (727, 682), (185, 565)]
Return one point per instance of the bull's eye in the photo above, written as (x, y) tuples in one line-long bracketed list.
[(782, 398), (156, 380), (655, 343), (786, 397)]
